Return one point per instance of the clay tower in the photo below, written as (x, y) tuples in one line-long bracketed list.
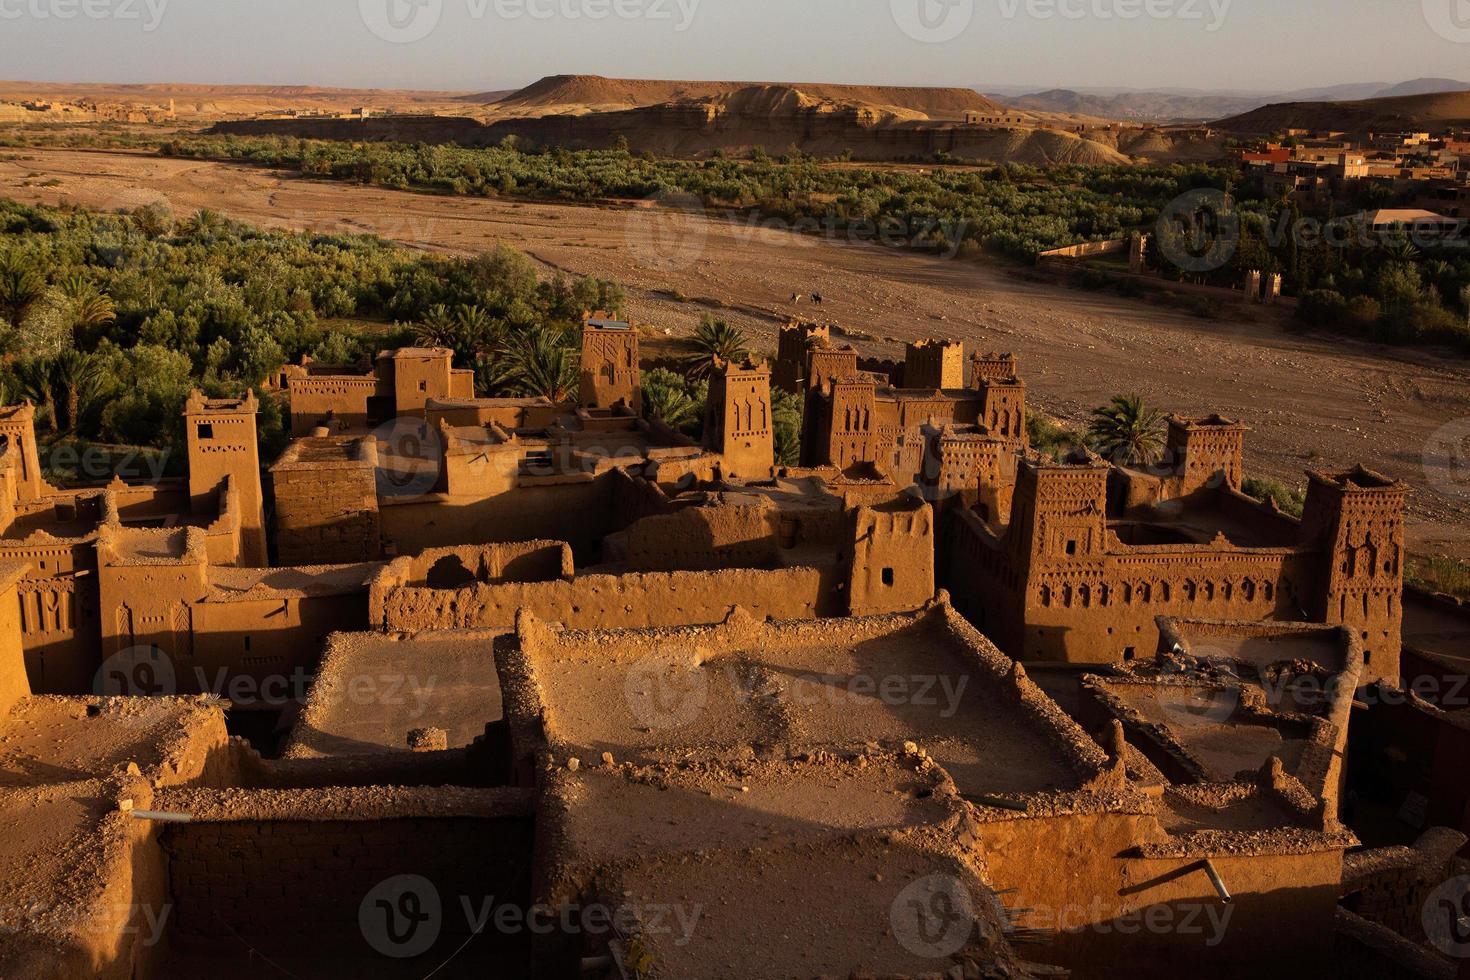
[(738, 422), (1357, 518), (222, 446), (609, 377)]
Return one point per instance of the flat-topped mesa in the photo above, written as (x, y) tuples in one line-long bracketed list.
[(610, 374)]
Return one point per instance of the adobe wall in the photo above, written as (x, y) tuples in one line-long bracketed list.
[(60, 627), (296, 865), (316, 397), (508, 413), (327, 513), (630, 601), (1081, 613), (892, 567), (514, 561), (418, 377), (704, 538), (14, 684), (272, 640), (576, 509), (1281, 913)]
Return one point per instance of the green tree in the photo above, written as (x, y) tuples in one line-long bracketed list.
[(715, 339), (34, 380), (1127, 431), (78, 381), (786, 415), (542, 362), (21, 287), (670, 397), (89, 310)]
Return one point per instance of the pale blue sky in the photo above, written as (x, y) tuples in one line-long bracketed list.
[(1261, 44)]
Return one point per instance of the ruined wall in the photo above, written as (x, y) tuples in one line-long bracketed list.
[(704, 538), (630, 601), (297, 875), (1282, 909), (892, 566), (576, 509)]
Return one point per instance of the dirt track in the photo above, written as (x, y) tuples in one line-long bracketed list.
[(1314, 402)]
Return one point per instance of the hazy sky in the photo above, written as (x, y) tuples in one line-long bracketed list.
[(491, 44)]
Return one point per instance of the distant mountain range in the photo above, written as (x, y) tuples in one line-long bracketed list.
[(1179, 105)]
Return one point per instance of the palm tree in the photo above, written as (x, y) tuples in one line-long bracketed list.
[(78, 380), (34, 378), (466, 330), (715, 339), (542, 362), (90, 309), (21, 287), (1127, 431), (666, 397), (436, 327)]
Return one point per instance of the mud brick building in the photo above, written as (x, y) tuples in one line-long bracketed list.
[(1109, 720), (1065, 580), (399, 384)]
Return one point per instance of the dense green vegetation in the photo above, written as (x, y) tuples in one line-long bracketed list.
[(1387, 289), (1011, 209), (107, 320), (1392, 286)]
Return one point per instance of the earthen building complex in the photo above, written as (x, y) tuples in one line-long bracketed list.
[(505, 687)]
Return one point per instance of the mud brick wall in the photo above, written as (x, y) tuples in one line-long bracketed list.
[(617, 602), (301, 881), (326, 516)]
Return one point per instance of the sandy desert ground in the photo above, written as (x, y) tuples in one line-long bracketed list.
[(1313, 401)]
